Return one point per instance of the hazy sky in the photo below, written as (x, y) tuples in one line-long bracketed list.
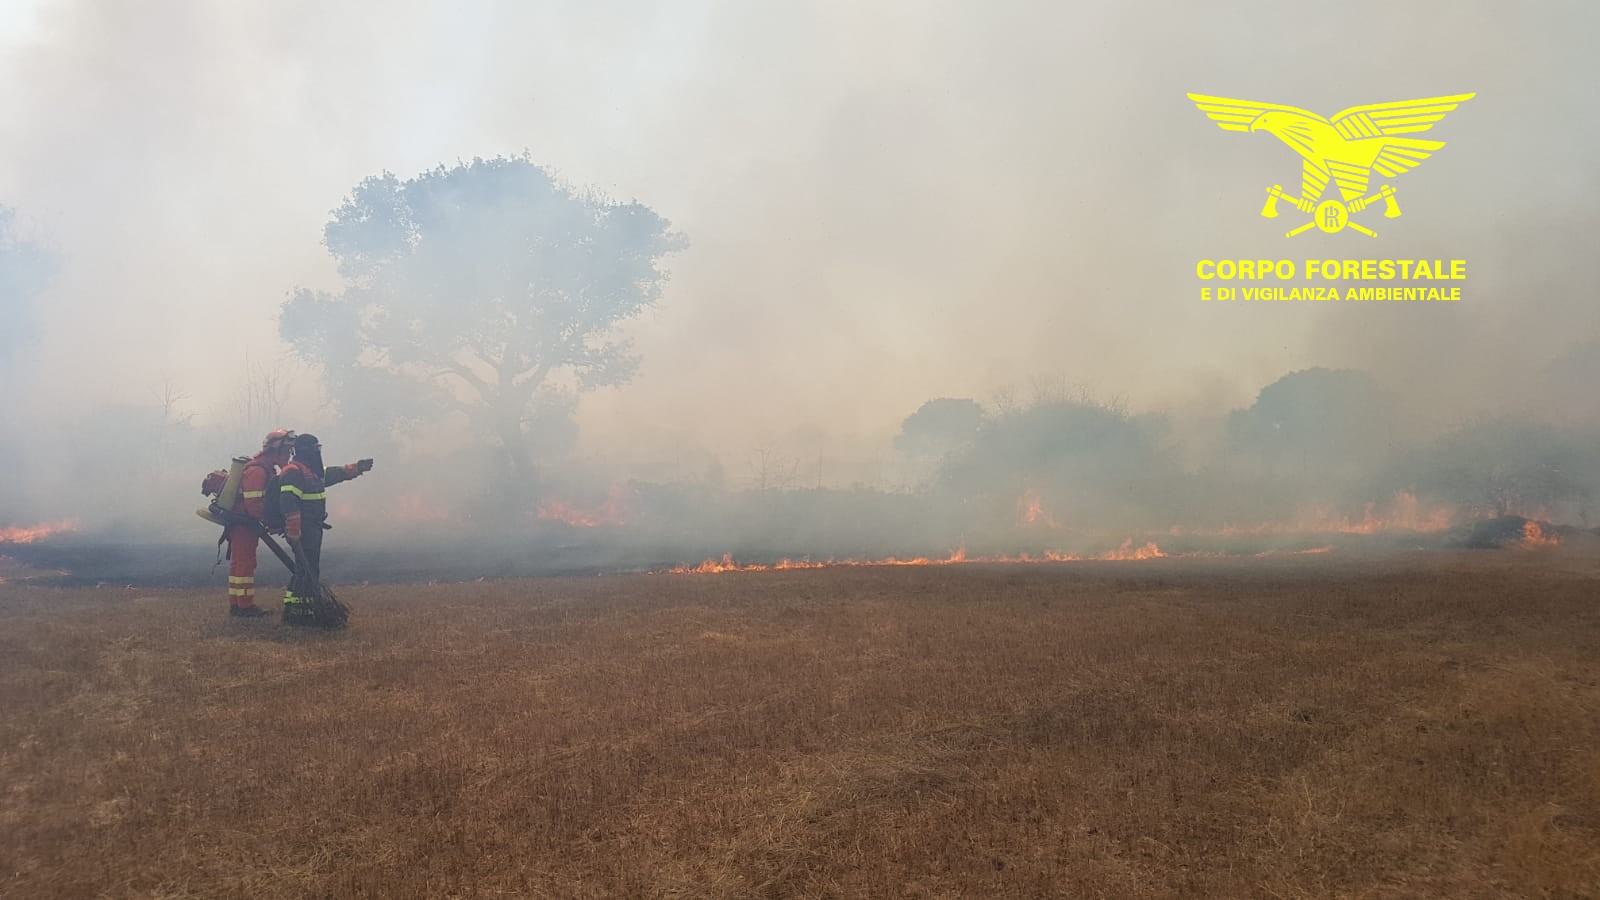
[(887, 202)]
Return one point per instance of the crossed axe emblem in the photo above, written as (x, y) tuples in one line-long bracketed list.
[(1331, 215)]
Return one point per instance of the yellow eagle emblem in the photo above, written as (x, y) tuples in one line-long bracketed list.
[(1345, 149)]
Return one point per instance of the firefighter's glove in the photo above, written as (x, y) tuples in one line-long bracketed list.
[(363, 465), (291, 527)]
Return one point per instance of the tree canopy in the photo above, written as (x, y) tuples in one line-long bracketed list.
[(1315, 418), (489, 287), (939, 426), (1088, 457), (1498, 466)]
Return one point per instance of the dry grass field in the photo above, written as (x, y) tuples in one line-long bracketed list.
[(1317, 727)]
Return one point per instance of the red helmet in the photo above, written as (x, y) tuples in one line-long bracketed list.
[(281, 438)]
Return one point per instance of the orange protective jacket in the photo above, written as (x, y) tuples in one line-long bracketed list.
[(253, 487)]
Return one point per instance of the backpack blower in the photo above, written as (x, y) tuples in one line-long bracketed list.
[(223, 485)]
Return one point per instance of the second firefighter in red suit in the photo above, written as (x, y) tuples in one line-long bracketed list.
[(302, 496), (242, 539)]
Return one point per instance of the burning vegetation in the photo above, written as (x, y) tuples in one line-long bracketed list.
[(1312, 467), (1059, 481), (1534, 535), (27, 534), (613, 512), (1031, 511), (1320, 458), (1126, 552)]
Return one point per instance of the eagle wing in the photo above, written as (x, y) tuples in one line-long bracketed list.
[(1390, 120), (1399, 117), (1236, 115)]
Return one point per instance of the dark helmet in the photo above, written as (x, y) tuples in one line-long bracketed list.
[(308, 452)]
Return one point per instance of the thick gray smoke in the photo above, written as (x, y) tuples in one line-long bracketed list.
[(885, 204)]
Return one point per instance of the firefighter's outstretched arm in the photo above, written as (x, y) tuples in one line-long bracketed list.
[(332, 475)]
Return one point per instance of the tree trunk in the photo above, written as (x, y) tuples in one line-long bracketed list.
[(509, 429)]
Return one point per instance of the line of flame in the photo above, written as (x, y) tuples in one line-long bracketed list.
[(1127, 551), (31, 533)]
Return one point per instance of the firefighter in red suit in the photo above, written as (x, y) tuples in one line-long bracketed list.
[(243, 539), (303, 499)]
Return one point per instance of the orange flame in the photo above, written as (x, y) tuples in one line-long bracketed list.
[(1127, 551), (1535, 536), (31, 533), (1031, 511), (614, 511), (1309, 551)]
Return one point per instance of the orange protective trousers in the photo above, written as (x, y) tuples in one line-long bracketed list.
[(242, 542)]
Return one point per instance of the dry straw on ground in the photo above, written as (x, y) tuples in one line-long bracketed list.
[(1294, 728)]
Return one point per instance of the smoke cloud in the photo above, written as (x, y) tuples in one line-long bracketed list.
[(886, 204)]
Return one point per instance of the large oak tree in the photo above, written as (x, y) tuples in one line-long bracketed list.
[(489, 287)]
